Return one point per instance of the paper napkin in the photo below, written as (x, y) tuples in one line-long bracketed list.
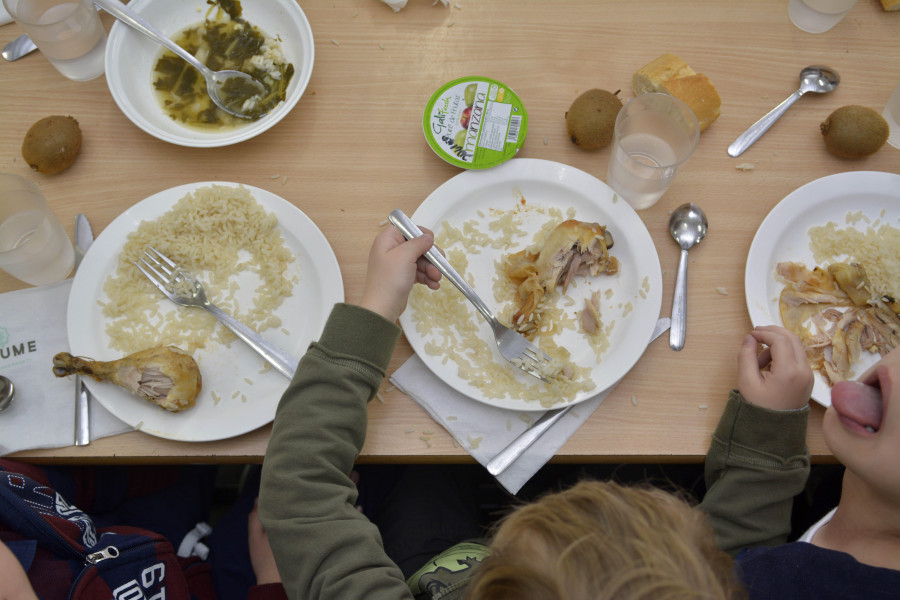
[(42, 414), (485, 430)]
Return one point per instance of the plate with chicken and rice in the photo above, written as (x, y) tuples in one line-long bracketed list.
[(557, 255), (825, 263), (261, 259)]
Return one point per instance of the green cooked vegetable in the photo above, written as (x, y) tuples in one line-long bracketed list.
[(228, 42)]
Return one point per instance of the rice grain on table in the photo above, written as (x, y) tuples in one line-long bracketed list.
[(217, 233)]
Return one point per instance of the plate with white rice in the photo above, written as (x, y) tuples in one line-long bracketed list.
[(479, 218), (851, 217), (261, 259)]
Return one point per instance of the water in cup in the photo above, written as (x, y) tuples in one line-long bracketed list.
[(818, 16), (45, 256), (639, 155), (68, 32), (34, 246), (653, 136)]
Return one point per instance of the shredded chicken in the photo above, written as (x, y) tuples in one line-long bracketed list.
[(573, 248), (847, 315)]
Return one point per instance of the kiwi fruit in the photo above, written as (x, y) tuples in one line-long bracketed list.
[(592, 117), (52, 144), (854, 131)]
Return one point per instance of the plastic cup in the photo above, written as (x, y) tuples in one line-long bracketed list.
[(654, 135), (818, 16), (34, 246), (68, 32), (891, 114)]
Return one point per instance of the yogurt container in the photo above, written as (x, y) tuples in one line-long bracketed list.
[(475, 122)]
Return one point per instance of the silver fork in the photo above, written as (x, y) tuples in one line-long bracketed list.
[(182, 288), (513, 345)]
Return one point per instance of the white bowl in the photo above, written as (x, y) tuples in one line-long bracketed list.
[(130, 57)]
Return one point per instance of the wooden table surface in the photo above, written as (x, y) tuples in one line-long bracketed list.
[(352, 150)]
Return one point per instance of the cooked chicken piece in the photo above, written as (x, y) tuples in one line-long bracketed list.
[(572, 248), (846, 314), (575, 248), (167, 376), (853, 280), (590, 316)]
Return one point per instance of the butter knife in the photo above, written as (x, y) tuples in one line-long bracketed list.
[(84, 236), (518, 446), (18, 48)]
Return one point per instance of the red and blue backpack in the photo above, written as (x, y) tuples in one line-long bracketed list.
[(66, 556)]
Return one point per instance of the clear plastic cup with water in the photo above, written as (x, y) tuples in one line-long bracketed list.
[(654, 135), (68, 32), (34, 247), (818, 16)]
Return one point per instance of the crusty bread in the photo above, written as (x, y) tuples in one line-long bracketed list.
[(669, 74), (890, 4)]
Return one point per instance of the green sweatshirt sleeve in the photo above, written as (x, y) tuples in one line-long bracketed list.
[(323, 546), (757, 462)]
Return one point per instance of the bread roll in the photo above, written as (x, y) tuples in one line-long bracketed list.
[(668, 74), (890, 4)]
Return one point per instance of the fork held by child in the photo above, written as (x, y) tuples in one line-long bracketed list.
[(513, 346)]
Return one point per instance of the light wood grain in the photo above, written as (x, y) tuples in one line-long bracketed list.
[(352, 150)]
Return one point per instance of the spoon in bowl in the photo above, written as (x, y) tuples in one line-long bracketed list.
[(7, 391), (228, 89), (817, 79), (688, 226)]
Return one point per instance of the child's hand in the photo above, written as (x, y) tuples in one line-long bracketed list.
[(779, 377), (394, 266)]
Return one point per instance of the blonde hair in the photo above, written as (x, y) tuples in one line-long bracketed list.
[(600, 540)]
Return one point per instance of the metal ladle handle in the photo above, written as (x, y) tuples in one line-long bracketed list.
[(136, 22)]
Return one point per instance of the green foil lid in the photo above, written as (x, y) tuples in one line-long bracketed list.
[(475, 122)]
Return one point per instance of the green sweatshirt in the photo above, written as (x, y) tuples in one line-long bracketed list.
[(325, 548), (757, 462)]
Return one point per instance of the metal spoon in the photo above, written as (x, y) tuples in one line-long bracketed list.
[(7, 390), (816, 78), (18, 48), (688, 226), (229, 101)]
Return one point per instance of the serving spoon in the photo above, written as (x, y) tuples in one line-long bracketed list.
[(815, 78), (688, 226), (240, 86), (7, 391)]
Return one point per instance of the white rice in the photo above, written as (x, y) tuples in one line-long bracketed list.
[(218, 233)]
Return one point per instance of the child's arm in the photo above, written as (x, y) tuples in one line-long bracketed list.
[(758, 460), (323, 546)]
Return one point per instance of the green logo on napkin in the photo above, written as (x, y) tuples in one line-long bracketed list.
[(4, 336)]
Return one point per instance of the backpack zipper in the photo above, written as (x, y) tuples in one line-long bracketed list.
[(101, 555)]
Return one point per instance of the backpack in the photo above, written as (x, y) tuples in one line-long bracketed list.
[(67, 557)]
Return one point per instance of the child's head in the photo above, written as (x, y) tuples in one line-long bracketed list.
[(863, 431), (601, 540)]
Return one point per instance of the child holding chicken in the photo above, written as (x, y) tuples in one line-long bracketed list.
[(758, 462)]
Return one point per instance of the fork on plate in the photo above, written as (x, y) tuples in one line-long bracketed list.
[(182, 288), (513, 346)]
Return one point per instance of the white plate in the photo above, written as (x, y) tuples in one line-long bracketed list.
[(223, 369), (550, 184), (130, 57), (784, 236)]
